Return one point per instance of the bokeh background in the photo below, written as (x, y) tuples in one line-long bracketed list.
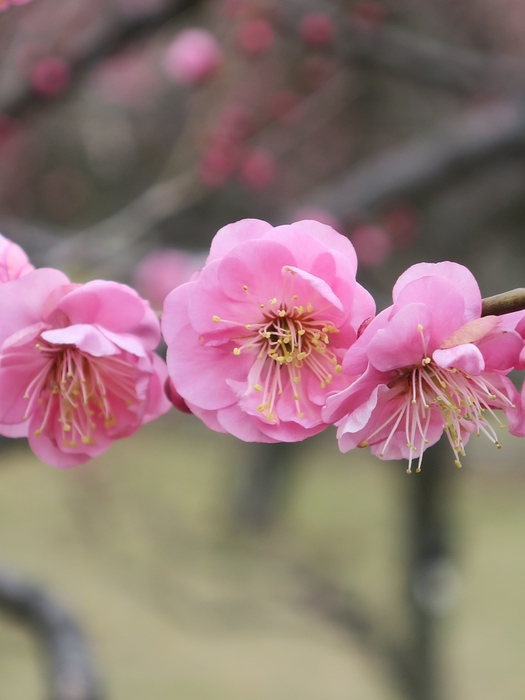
[(199, 567)]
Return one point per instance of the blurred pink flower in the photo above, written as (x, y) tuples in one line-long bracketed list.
[(163, 270), (4, 4), (192, 57), (50, 76), (14, 262), (317, 29), (373, 244), (426, 365), (255, 341), (77, 367), (256, 36), (258, 170)]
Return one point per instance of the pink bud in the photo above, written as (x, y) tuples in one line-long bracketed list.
[(175, 398), (164, 270), (217, 167), (256, 36), (50, 76), (402, 222), (317, 29), (372, 245), (192, 57), (258, 170)]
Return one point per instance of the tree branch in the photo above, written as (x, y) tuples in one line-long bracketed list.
[(428, 60), (504, 303), (71, 675), (423, 162)]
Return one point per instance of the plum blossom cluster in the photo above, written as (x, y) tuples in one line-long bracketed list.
[(274, 340), (77, 367), (271, 340)]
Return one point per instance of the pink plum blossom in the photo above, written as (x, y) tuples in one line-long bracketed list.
[(258, 170), (13, 261), (192, 57), (77, 368), (373, 244), (50, 76), (256, 36), (255, 341), (163, 270), (4, 4), (317, 29), (426, 365)]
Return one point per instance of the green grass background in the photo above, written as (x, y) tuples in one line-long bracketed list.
[(179, 602)]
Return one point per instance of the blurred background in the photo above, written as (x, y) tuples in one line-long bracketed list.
[(196, 566)]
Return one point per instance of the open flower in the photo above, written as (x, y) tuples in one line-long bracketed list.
[(77, 368), (426, 365), (255, 341)]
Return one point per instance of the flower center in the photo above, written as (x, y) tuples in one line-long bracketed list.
[(80, 392), (461, 400), (287, 339)]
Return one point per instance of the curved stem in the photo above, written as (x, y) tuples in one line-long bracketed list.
[(70, 671), (504, 303)]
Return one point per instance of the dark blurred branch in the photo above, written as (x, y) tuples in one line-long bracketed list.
[(112, 236), (428, 60), (423, 163), (342, 608), (114, 36), (504, 303), (70, 671)]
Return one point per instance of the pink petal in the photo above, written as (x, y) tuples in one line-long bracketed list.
[(256, 265), (329, 237), (231, 235), (462, 279), (22, 300), (444, 302), (114, 306), (401, 343), (158, 403), (501, 350), (466, 357), (199, 373), (471, 331), (234, 421), (85, 337)]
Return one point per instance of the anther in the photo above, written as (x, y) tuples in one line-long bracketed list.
[(216, 319)]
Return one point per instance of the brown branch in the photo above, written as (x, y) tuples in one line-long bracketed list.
[(70, 671), (422, 163), (504, 303), (428, 60)]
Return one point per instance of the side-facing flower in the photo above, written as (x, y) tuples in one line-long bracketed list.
[(77, 367), (255, 341), (426, 365)]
